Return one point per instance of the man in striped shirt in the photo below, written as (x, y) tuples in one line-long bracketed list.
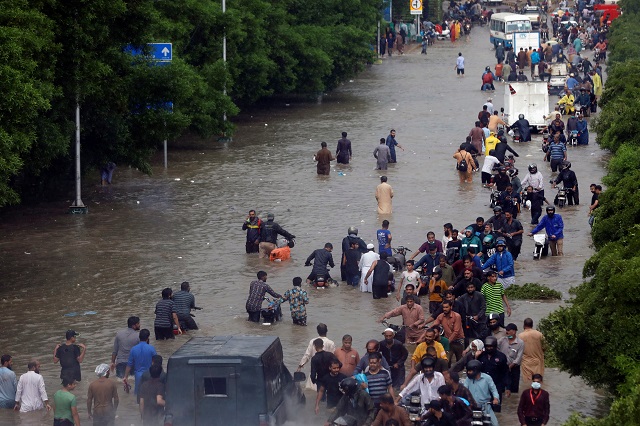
[(184, 302), (493, 292), (165, 317), (378, 379), (557, 152)]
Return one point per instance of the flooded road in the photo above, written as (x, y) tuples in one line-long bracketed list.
[(89, 273)]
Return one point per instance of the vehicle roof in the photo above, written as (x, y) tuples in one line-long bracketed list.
[(239, 345), (509, 15), (536, 8)]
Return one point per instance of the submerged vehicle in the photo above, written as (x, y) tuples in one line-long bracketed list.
[(231, 381)]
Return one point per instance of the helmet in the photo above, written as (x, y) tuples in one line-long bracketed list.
[(521, 116), (349, 386), (487, 240), (490, 341), (551, 209), (566, 164), (474, 365), (436, 271), (494, 316), (271, 216), (502, 169), (533, 168), (501, 242), (488, 69), (427, 362), (320, 281), (513, 172), (352, 230), (497, 209)]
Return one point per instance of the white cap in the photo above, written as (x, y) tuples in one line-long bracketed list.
[(370, 246), (102, 370), (389, 329)]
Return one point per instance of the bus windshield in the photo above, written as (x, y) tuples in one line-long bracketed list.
[(518, 26)]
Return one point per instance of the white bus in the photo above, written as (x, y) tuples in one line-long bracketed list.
[(503, 25)]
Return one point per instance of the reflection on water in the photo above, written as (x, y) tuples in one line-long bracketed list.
[(149, 232)]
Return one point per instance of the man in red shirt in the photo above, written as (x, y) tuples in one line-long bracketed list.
[(452, 324), (534, 408)]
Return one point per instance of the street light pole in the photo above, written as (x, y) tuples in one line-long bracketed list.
[(78, 206)]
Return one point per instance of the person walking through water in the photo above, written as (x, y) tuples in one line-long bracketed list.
[(343, 150), (382, 154), (459, 65), (384, 194), (324, 159), (392, 143)]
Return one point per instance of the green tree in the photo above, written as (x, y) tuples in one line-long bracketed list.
[(27, 58)]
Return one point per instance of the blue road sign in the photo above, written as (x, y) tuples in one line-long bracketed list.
[(161, 51)]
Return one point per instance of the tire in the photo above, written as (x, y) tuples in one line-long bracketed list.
[(561, 203), (545, 250)]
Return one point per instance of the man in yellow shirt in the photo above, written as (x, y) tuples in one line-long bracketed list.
[(491, 142), (421, 349)]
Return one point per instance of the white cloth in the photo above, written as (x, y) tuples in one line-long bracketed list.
[(366, 261), (31, 392), (507, 282), (428, 390)]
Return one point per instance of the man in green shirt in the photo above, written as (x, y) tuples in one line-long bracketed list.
[(66, 411), (493, 292)]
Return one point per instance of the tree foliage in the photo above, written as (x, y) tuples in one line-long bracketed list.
[(56, 54), (595, 337)]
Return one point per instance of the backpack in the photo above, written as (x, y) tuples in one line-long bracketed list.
[(462, 165)]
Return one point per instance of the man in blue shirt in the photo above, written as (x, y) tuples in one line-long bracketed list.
[(553, 225), (8, 383), (139, 358), (502, 261), (384, 239)]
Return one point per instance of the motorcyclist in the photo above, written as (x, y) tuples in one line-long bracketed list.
[(585, 102), (495, 364), (515, 181), (523, 128), (427, 382), (269, 232), (568, 100), (502, 261), (554, 227), (352, 236), (355, 402), (475, 307), (521, 77), (482, 388), (487, 80), (569, 181), (469, 240), (500, 53), (534, 178), (322, 258), (500, 180), (510, 200)]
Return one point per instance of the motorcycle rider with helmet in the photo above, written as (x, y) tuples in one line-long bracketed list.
[(568, 100), (570, 182), (502, 262), (534, 178), (515, 180), (523, 128), (554, 227), (269, 232), (500, 180), (322, 258), (482, 388), (426, 382), (352, 236), (355, 402)]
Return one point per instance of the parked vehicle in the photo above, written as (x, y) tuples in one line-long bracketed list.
[(531, 99), (534, 13), (503, 25), (231, 381), (558, 78)]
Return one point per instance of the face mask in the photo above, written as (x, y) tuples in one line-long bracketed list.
[(511, 337), (536, 385)]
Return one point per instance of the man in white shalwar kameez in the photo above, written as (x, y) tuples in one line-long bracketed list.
[(366, 261)]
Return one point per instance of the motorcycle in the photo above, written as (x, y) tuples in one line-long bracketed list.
[(515, 134), (561, 197), (541, 246), (323, 281), (398, 329), (345, 420), (480, 418), (467, 28), (494, 198), (272, 313), (573, 138), (399, 258), (413, 405)]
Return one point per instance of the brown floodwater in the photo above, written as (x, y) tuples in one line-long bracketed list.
[(145, 233)]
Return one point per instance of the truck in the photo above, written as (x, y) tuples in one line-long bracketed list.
[(534, 13), (608, 12), (530, 98), (525, 40), (231, 381)]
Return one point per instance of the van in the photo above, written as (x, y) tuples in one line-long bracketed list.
[(531, 99), (229, 381)]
